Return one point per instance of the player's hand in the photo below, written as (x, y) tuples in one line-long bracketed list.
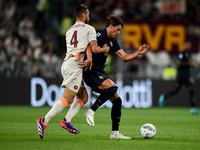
[(143, 49), (106, 48), (87, 63)]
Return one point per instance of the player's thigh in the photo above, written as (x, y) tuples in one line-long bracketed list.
[(72, 75), (72, 78), (106, 84), (178, 83), (189, 83)]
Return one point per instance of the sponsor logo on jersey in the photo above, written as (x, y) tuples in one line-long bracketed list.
[(98, 34)]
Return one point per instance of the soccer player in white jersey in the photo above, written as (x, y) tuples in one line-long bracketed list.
[(78, 37), (99, 82)]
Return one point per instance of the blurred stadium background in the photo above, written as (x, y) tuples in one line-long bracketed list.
[(32, 41)]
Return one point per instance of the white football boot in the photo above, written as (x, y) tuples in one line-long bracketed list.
[(119, 136), (89, 114)]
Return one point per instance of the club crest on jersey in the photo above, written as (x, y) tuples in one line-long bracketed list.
[(111, 44), (98, 34), (75, 87), (100, 77)]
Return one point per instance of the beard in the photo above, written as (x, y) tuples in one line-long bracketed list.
[(86, 21)]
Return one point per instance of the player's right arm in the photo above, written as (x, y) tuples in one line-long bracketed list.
[(127, 57), (96, 49), (94, 46)]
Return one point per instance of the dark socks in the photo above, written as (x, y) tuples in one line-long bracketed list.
[(103, 97), (116, 114), (191, 97)]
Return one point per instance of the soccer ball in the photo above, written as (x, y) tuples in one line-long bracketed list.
[(148, 131)]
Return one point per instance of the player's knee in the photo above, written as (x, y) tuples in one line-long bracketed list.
[(112, 89)]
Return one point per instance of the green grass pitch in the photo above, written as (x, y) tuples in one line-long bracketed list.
[(176, 130)]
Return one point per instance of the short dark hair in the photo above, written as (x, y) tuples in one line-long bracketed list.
[(79, 10), (114, 20)]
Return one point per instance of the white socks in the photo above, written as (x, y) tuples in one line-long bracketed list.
[(60, 105), (74, 109), (55, 110), (114, 132)]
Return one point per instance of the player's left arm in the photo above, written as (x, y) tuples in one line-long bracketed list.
[(126, 57)]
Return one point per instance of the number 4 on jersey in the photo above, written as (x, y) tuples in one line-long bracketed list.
[(74, 40)]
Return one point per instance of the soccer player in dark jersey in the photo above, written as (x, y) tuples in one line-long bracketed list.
[(97, 79), (183, 78)]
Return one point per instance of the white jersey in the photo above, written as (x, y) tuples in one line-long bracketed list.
[(78, 37)]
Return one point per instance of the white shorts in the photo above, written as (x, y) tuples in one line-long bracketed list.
[(72, 75)]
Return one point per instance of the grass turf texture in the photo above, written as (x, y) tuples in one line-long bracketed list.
[(176, 129)]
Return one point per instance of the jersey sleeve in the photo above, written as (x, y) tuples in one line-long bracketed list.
[(180, 56), (92, 34), (116, 46), (101, 38)]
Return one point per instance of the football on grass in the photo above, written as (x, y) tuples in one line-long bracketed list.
[(148, 131)]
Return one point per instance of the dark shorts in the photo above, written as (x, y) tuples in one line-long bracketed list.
[(184, 79), (93, 78)]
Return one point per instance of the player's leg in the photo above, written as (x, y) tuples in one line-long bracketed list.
[(70, 72), (75, 86), (68, 97), (59, 105), (74, 109), (55, 110), (172, 92), (108, 88), (192, 99), (78, 104), (116, 116)]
